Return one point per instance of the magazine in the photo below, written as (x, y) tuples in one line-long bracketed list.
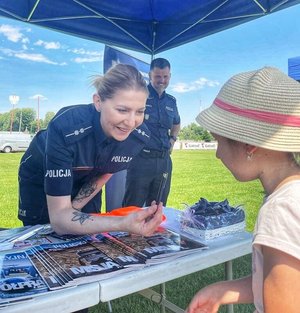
[(74, 260), (163, 244), (119, 254), (19, 278), (27, 236)]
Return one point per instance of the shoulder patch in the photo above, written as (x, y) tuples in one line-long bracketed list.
[(77, 132), (142, 133)]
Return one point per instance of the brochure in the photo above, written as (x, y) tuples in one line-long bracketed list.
[(19, 278), (163, 244), (67, 261), (67, 264), (27, 236)]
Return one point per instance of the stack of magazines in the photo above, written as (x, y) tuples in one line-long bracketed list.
[(41, 261)]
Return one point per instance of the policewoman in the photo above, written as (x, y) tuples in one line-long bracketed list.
[(144, 175), (64, 169)]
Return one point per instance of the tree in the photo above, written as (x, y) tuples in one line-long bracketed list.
[(24, 118), (207, 136), (5, 121), (195, 133), (48, 118)]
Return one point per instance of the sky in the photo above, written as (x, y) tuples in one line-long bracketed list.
[(57, 68)]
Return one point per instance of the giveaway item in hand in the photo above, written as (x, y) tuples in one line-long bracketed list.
[(212, 219), (124, 211)]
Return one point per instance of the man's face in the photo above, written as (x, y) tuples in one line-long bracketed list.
[(160, 79)]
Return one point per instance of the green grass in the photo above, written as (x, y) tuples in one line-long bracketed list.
[(9, 163), (195, 174), (200, 174)]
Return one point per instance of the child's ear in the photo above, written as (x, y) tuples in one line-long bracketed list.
[(250, 149), (97, 102)]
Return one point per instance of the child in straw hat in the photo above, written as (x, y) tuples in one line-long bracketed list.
[(256, 121)]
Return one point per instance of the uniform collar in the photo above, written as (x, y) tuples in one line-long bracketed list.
[(153, 92), (99, 133)]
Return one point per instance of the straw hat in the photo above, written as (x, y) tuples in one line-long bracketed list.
[(261, 108)]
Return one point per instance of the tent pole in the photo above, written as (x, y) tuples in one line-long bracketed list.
[(32, 11), (154, 24)]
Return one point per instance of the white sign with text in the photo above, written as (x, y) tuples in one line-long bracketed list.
[(199, 145)]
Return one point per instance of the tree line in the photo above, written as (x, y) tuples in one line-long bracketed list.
[(23, 120), (195, 132)]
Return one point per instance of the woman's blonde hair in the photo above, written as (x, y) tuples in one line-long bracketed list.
[(119, 77)]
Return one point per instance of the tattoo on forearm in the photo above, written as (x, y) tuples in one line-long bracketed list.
[(86, 191), (81, 217)]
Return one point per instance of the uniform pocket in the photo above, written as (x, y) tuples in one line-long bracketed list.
[(167, 119)]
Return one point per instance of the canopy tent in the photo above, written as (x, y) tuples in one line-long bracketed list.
[(294, 68), (148, 26)]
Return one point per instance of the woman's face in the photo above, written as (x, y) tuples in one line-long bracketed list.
[(121, 114)]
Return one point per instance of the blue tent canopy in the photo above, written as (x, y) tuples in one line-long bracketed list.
[(294, 68), (148, 26)]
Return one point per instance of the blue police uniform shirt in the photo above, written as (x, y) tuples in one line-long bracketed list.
[(160, 115), (77, 150)]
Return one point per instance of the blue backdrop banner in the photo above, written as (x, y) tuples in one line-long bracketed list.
[(115, 187), (294, 68), (113, 56)]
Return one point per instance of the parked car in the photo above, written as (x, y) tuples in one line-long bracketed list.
[(14, 141)]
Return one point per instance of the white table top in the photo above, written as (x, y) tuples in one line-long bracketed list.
[(72, 299)]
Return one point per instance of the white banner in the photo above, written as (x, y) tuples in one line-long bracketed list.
[(196, 145)]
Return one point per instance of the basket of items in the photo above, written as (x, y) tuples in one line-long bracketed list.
[(208, 220)]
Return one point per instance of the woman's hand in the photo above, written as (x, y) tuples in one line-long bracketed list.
[(144, 222)]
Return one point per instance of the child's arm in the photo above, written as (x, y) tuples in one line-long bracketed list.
[(281, 281), (210, 298)]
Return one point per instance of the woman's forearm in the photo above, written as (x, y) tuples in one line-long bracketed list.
[(89, 190)]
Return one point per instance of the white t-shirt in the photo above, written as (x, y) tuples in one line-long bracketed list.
[(277, 226)]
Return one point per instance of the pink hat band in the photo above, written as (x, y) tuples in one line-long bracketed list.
[(268, 117)]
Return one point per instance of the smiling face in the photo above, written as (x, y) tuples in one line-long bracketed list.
[(122, 113), (160, 78)]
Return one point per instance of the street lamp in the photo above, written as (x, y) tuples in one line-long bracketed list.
[(20, 121), (13, 99), (39, 98)]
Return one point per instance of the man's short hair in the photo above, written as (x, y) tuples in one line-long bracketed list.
[(160, 63)]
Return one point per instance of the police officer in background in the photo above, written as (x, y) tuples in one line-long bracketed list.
[(144, 174), (64, 169)]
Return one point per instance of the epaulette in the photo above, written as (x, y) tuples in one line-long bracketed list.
[(170, 96), (76, 132), (142, 132)]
